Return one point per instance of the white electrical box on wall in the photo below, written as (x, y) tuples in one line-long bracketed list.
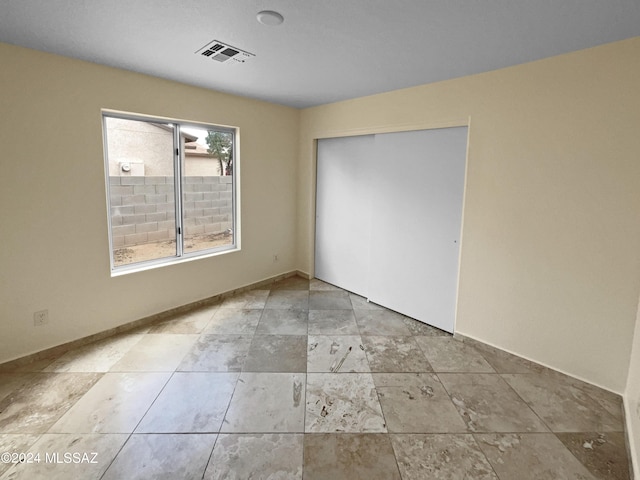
[(131, 169)]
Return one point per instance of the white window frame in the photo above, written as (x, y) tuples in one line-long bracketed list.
[(180, 256)]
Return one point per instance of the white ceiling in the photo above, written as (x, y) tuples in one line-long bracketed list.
[(326, 50)]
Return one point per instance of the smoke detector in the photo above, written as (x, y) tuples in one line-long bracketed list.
[(270, 18), (222, 52)]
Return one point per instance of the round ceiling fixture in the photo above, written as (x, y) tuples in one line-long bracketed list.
[(269, 17)]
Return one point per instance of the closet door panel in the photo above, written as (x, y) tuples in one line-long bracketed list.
[(417, 184), (343, 212)]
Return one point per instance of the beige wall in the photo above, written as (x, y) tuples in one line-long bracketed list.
[(632, 398), (54, 250), (550, 254)]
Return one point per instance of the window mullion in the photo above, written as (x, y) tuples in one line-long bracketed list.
[(177, 182)]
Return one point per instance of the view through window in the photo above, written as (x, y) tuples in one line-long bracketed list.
[(171, 189)]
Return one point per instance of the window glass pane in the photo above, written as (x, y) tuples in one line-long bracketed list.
[(207, 188), (141, 189)]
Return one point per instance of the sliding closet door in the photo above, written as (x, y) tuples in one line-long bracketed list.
[(417, 188), (343, 212)]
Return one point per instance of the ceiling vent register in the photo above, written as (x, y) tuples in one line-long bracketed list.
[(222, 52)]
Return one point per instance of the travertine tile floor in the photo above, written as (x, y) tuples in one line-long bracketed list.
[(303, 380)]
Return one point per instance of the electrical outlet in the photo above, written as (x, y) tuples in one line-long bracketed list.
[(41, 318), (275, 258)]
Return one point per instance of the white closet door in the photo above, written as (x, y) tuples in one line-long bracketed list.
[(417, 189), (343, 212)]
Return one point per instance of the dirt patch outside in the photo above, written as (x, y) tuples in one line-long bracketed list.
[(167, 248)]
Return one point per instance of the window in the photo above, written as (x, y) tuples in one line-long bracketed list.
[(171, 190)]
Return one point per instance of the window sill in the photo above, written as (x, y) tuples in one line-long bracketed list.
[(165, 262)]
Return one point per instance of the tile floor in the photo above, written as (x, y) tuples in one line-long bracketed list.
[(303, 380)]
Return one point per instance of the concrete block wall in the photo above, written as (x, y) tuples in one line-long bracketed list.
[(143, 208)]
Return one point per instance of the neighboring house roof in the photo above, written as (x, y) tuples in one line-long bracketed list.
[(187, 136), (193, 149)]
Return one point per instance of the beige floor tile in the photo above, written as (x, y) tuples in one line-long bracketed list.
[(30, 367), (245, 456), (288, 299), (504, 362), (342, 402), (394, 354), (531, 456), (190, 322), (403, 379), (13, 381), (440, 457), (14, 444), (277, 353), (361, 303), (217, 353), (319, 285), (329, 300), (162, 457), (235, 372), (349, 456), (604, 454), (36, 406), (291, 283), (191, 402), (381, 322), (161, 352), (487, 404), (446, 354), (417, 403), (251, 299), (419, 328), (336, 353), (115, 404), (569, 405), (67, 456), (283, 322), (234, 321), (332, 322), (95, 357), (266, 402)]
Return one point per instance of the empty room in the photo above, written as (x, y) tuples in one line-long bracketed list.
[(320, 240)]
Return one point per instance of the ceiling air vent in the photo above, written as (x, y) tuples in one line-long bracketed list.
[(221, 52)]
